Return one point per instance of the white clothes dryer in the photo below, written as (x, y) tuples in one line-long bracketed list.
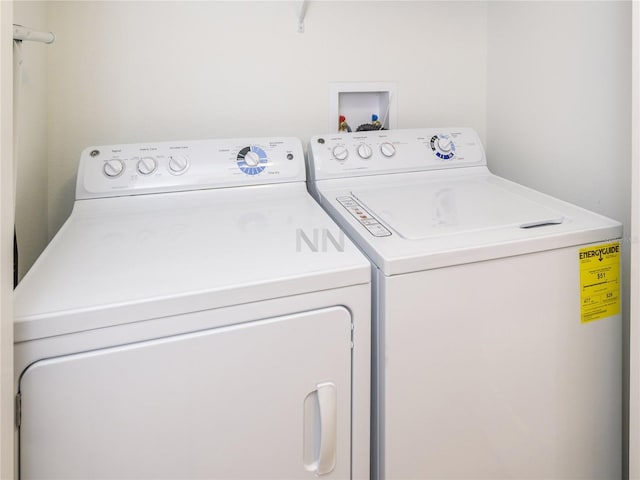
[(497, 331), (197, 316)]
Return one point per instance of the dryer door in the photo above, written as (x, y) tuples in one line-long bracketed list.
[(264, 399)]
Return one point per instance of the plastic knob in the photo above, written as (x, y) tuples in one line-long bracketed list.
[(387, 149), (252, 159), (178, 164), (444, 144), (113, 168), (340, 152), (147, 165), (364, 151)]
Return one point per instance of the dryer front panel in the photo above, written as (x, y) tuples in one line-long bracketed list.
[(263, 399)]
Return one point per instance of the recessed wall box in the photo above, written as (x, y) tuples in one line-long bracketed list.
[(358, 101)]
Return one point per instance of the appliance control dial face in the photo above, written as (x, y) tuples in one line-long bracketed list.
[(113, 168), (340, 152), (252, 160), (364, 151), (443, 146), (178, 164), (388, 149)]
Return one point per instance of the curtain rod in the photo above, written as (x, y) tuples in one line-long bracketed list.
[(25, 33)]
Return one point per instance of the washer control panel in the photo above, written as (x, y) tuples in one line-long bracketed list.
[(393, 151), (132, 169)]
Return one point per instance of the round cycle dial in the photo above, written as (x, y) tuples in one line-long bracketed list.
[(443, 147), (113, 168), (364, 151), (388, 149), (178, 164), (340, 152), (147, 165), (252, 160)]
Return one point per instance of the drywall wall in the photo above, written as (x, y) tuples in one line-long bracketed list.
[(145, 71), (559, 77), (559, 106), (31, 132)]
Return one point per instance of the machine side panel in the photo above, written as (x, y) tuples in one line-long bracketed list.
[(490, 373)]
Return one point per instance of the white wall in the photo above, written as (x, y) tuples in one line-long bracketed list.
[(559, 105), (144, 71), (559, 76), (31, 146)]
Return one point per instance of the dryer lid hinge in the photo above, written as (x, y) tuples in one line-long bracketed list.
[(18, 409)]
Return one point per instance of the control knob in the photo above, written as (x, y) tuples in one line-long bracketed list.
[(147, 165), (364, 151), (178, 164), (340, 152), (443, 147), (113, 168), (387, 149), (444, 144), (252, 159)]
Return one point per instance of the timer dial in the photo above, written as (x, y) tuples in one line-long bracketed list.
[(252, 160), (443, 147), (444, 144)]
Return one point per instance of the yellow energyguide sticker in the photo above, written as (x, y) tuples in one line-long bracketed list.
[(599, 281)]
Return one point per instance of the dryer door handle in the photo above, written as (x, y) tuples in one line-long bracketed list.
[(321, 429)]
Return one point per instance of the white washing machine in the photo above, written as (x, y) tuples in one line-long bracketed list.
[(497, 331), (197, 316)]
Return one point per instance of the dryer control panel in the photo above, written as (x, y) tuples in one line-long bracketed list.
[(339, 155), (142, 168)]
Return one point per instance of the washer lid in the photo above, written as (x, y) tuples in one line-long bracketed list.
[(409, 222), (126, 259), (456, 207)]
